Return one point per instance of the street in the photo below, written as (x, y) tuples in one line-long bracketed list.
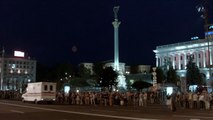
[(16, 110)]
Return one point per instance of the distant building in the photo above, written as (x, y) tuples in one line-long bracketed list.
[(138, 73), (16, 71), (144, 68), (88, 66), (178, 55), (121, 66)]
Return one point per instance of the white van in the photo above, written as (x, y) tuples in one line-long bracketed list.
[(40, 91)]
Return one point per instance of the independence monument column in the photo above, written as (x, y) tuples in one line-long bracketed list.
[(116, 24), (121, 78)]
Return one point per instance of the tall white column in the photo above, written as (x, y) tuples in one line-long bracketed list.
[(204, 58), (179, 61), (173, 61), (116, 47), (121, 78), (157, 60), (197, 59), (160, 60), (210, 52), (185, 60)]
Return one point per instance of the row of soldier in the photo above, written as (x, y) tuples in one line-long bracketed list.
[(107, 98), (195, 100)]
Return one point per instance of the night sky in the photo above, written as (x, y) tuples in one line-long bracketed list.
[(48, 30)]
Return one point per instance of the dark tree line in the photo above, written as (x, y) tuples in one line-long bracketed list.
[(78, 76), (193, 75)]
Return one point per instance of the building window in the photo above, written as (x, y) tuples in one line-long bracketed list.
[(199, 55), (51, 87), (45, 87)]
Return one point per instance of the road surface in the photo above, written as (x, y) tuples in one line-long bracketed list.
[(16, 110)]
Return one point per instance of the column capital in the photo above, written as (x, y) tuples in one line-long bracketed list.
[(116, 24)]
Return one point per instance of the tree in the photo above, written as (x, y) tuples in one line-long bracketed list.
[(193, 75), (98, 69), (78, 82), (84, 72), (172, 76), (160, 75), (108, 78), (61, 74)]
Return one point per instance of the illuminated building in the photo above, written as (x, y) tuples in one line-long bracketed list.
[(16, 71), (178, 54)]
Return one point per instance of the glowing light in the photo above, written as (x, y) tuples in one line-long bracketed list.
[(66, 89), (77, 91), (210, 27), (13, 66), (195, 38), (121, 81), (180, 47), (169, 90), (193, 88), (19, 71), (209, 33), (18, 54)]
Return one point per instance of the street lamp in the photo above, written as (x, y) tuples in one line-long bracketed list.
[(203, 9)]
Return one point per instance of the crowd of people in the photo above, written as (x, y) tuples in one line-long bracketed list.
[(187, 100), (108, 98), (10, 94)]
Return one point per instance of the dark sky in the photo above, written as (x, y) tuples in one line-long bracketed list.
[(47, 30)]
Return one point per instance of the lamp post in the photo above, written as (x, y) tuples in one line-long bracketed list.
[(203, 8), (205, 16)]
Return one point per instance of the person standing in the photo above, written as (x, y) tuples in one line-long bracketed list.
[(140, 102), (173, 98), (145, 99)]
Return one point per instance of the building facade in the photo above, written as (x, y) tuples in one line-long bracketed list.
[(16, 72), (201, 50), (88, 66)]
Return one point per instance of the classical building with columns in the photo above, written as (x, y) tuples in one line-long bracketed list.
[(178, 54)]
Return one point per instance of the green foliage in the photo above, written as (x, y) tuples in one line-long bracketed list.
[(84, 72), (160, 75), (172, 76), (108, 78), (193, 75), (98, 68), (78, 82)]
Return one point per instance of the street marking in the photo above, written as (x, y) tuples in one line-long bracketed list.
[(188, 116), (16, 111), (80, 113)]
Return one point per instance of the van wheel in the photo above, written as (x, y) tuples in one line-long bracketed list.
[(35, 101)]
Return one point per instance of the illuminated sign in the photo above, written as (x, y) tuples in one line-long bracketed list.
[(209, 33), (211, 27), (18, 54), (195, 38)]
